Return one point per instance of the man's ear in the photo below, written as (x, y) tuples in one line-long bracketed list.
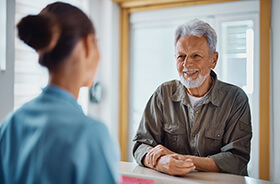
[(88, 44), (214, 60)]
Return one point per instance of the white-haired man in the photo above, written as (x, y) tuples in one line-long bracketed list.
[(198, 122)]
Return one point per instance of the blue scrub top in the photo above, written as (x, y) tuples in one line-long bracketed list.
[(50, 140)]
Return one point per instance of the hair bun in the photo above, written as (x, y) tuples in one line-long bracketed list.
[(36, 31)]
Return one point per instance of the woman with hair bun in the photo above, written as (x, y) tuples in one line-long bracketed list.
[(49, 139)]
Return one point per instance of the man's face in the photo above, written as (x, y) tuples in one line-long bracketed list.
[(193, 60)]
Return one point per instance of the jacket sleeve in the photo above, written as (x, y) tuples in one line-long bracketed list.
[(149, 132), (235, 154)]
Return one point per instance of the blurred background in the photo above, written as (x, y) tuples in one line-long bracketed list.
[(136, 40)]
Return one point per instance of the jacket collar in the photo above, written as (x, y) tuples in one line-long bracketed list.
[(62, 94)]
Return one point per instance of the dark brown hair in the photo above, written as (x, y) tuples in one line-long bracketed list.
[(54, 32)]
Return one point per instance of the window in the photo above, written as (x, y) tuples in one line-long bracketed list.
[(152, 55), (239, 65), (30, 77), (237, 46)]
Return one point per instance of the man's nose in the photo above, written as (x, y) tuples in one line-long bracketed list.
[(187, 62)]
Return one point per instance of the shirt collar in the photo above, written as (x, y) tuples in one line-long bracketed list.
[(214, 93), (62, 94), (181, 92), (181, 95)]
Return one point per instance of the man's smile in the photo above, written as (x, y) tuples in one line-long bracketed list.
[(189, 73)]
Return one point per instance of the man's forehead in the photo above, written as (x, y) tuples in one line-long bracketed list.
[(195, 42)]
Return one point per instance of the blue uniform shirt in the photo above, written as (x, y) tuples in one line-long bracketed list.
[(50, 140)]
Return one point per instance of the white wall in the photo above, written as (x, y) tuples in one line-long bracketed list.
[(105, 16), (275, 90), (7, 76)]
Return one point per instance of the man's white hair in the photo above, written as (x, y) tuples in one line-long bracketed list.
[(198, 28)]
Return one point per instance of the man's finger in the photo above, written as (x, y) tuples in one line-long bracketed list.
[(148, 158), (156, 156), (153, 156), (151, 152), (180, 157), (183, 163), (182, 171), (158, 152)]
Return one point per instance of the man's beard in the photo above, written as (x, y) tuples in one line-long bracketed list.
[(190, 83)]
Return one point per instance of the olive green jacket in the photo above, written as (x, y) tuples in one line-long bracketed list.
[(221, 126)]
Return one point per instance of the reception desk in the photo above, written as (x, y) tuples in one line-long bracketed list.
[(133, 170)]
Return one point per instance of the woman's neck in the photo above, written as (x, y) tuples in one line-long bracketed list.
[(67, 82)]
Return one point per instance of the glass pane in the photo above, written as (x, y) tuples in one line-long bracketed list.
[(237, 73), (237, 54), (153, 63), (239, 67)]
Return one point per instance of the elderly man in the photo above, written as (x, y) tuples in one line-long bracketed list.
[(198, 122)]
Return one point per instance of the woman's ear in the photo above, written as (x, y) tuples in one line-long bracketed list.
[(88, 44), (214, 60)]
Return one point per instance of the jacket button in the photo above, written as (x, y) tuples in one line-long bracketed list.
[(218, 135), (193, 135)]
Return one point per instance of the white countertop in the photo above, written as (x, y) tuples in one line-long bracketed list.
[(133, 170)]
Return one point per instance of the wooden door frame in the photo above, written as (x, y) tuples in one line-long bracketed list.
[(131, 6)]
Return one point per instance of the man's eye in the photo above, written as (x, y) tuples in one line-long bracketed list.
[(180, 57)]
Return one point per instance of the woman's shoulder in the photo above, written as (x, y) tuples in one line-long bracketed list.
[(94, 125)]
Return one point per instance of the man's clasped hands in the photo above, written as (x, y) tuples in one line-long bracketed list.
[(162, 159)]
